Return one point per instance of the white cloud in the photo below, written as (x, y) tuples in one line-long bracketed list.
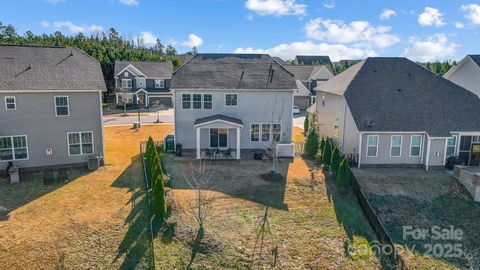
[(335, 51), (276, 7), (193, 41), (432, 48), (55, 1), (387, 13), (329, 4), (359, 33), (72, 28), (431, 16), (459, 25), (472, 12), (148, 38), (130, 2)]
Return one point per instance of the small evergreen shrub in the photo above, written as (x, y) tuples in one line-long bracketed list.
[(327, 153), (343, 177), (306, 125), (311, 144), (335, 164)]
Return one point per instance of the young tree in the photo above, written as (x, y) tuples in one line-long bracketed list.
[(327, 153), (335, 164), (171, 51), (305, 125), (311, 144), (159, 48), (194, 50), (159, 203), (343, 177)]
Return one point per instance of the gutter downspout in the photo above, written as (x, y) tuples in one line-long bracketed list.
[(359, 149), (427, 159)]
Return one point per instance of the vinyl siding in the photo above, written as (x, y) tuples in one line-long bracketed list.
[(467, 76)]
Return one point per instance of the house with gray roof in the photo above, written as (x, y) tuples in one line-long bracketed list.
[(391, 111), (466, 73), (307, 78), (143, 83), (312, 60), (231, 102), (50, 111)]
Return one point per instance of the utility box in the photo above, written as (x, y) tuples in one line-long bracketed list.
[(93, 163), (169, 143)]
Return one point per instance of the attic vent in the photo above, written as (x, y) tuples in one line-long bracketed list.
[(409, 74), (399, 90), (369, 123), (374, 71)]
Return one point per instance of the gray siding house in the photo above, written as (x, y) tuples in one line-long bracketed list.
[(391, 111), (50, 107), (307, 78), (466, 73), (143, 83), (236, 101)]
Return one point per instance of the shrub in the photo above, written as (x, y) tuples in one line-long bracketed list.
[(336, 158), (327, 153), (159, 203), (343, 177), (311, 144), (320, 150), (305, 125)]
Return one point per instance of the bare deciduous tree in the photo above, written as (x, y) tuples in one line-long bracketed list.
[(275, 116)]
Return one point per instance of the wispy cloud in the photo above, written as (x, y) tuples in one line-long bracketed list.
[(431, 16), (71, 27), (54, 1), (276, 7), (329, 4), (432, 48), (387, 14), (130, 2), (193, 41), (472, 12), (147, 38)]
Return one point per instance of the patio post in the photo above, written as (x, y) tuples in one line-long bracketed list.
[(197, 131), (238, 143)]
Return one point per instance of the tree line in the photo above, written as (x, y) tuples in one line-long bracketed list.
[(106, 47)]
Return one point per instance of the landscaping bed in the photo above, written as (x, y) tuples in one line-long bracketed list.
[(406, 199)]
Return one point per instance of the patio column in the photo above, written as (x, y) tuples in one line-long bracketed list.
[(197, 131), (238, 143), (427, 158)]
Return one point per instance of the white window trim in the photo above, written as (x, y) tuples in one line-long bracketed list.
[(191, 100), (391, 145), (225, 103), (281, 131), (81, 149), (125, 74), (454, 147), (259, 132), (161, 84), (13, 147), (269, 133), (203, 101), (421, 145), (68, 106), (376, 146), (218, 147), (14, 103), (126, 83)]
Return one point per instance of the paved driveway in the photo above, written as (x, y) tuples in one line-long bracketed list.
[(165, 116)]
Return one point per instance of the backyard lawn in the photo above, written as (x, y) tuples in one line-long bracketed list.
[(95, 220), (413, 197), (300, 223)]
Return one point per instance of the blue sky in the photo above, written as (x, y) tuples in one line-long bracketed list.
[(422, 30)]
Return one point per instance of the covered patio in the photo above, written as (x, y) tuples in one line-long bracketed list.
[(220, 137)]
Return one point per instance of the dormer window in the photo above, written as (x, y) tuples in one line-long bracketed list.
[(125, 74), (159, 83)]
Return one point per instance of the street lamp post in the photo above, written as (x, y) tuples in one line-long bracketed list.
[(158, 112), (138, 108)]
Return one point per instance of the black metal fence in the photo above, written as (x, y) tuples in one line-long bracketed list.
[(383, 237)]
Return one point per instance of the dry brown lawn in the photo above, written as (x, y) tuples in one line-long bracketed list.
[(96, 220)]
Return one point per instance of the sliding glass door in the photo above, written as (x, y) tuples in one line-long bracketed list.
[(218, 138)]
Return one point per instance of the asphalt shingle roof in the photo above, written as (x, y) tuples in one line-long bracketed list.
[(48, 68), (149, 69), (313, 59), (232, 71), (476, 59), (218, 117), (396, 94)]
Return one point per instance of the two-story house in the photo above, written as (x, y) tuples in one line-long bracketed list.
[(466, 73), (50, 107), (143, 83), (232, 101)]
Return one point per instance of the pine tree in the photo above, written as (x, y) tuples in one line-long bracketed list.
[(311, 144), (305, 125), (343, 177), (159, 203), (327, 153), (336, 158)]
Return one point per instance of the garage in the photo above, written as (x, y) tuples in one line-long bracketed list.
[(161, 100)]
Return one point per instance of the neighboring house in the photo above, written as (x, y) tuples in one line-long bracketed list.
[(307, 78), (50, 107), (237, 101), (312, 60), (393, 111), (466, 73), (280, 61), (143, 83)]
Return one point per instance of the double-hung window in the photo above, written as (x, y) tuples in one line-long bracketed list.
[(254, 132), (231, 100), (159, 83), (416, 145), (396, 146), (197, 101), (126, 83), (10, 103), (276, 132), (265, 132), (207, 101), (451, 144), (61, 106), (13, 148), (80, 143), (372, 145), (186, 101)]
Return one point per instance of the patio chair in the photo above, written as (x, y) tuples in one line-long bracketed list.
[(228, 153), (208, 154)]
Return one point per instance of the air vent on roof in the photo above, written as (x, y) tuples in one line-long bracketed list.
[(409, 74), (374, 71), (369, 123), (399, 90)]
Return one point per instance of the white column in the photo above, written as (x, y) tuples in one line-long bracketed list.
[(427, 158), (238, 143), (359, 149), (197, 131)]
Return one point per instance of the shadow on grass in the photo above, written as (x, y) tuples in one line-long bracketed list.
[(136, 246), (33, 186), (239, 179)]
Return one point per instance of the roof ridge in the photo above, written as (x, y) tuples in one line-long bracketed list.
[(32, 45)]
